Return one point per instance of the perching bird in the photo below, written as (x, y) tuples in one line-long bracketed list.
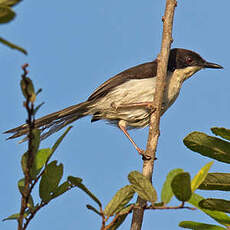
[(124, 99)]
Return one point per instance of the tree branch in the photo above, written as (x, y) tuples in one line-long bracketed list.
[(154, 132)]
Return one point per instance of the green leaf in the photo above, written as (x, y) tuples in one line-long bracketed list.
[(218, 216), (50, 180), (38, 107), (118, 222), (90, 207), (200, 176), (215, 204), (35, 140), (9, 2), (40, 160), (222, 132), (166, 192), (15, 216), (21, 187), (120, 199), (142, 186), (208, 146), (12, 46), (27, 88), (216, 181), (76, 181), (199, 226), (24, 162), (6, 14), (61, 189), (59, 140), (181, 186)]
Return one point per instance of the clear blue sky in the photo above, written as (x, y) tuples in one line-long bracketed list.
[(73, 48)]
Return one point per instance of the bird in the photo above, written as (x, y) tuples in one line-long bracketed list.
[(125, 100)]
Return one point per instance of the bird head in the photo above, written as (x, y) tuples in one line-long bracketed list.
[(189, 62)]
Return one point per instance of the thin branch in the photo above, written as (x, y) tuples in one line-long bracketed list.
[(154, 132), (32, 214), (30, 121)]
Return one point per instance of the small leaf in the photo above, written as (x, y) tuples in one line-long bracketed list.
[(35, 140), (21, 187), (200, 176), (209, 146), (142, 186), (50, 180), (61, 189), (90, 207), (24, 162), (218, 216), (118, 222), (120, 199), (76, 181), (15, 216), (38, 107), (39, 161), (181, 186), (27, 88), (6, 14), (216, 181), (215, 204), (222, 132), (9, 2), (199, 226), (12, 46), (166, 192)]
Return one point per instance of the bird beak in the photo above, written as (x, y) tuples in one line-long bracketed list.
[(212, 65)]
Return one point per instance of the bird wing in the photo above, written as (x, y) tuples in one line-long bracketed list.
[(146, 70)]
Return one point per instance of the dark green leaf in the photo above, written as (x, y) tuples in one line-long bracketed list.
[(15, 216), (208, 146), (166, 192), (142, 186), (120, 199), (200, 176), (76, 181), (118, 222), (9, 2), (216, 181), (6, 14), (222, 132), (215, 204), (50, 180), (181, 186), (90, 207), (220, 217), (61, 189), (199, 226), (12, 46)]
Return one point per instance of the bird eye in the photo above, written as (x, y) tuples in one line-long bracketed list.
[(189, 60)]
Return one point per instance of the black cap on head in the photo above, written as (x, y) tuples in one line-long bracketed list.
[(182, 58)]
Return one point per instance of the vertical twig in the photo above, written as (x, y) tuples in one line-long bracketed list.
[(154, 132), (30, 121)]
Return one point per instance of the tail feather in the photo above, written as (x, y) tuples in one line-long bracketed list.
[(53, 122)]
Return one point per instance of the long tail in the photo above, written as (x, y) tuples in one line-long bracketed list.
[(53, 122)]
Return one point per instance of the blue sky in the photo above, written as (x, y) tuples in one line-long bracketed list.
[(75, 47)]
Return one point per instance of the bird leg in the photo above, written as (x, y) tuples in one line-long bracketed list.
[(122, 126), (147, 105)]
